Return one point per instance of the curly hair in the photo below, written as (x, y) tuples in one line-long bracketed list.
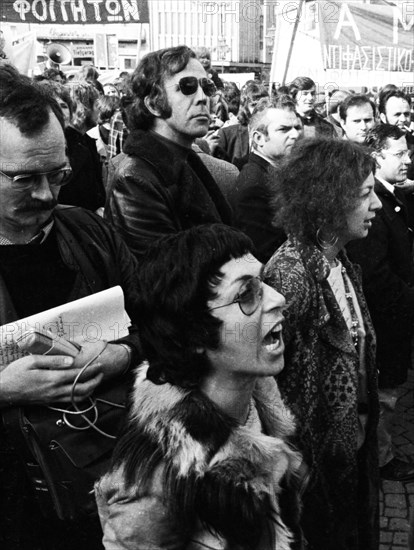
[(83, 95), (176, 279), (318, 184), (148, 81), (106, 107), (251, 92), (232, 97), (24, 103)]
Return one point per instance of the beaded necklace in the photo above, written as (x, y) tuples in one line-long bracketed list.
[(354, 317)]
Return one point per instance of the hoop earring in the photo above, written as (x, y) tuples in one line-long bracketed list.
[(326, 244)]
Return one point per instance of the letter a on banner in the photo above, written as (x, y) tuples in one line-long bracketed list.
[(346, 20)]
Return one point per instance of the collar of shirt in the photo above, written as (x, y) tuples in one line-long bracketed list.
[(386, 184), (37, 239), (309, 119)]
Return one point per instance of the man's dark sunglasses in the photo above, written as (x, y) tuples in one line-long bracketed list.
[(189, 85)]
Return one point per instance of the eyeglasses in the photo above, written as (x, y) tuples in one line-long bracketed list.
[(248, 298), (188, 85), (55, 178)]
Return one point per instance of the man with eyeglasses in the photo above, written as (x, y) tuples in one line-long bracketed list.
[(161, 186), (49, 255), (395, 108), (386, 258)]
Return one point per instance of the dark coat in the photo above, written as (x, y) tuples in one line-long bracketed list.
[(100, 260), (251, 201), (410, 144), (234, 140), (320, 384), (160, 188), (86, 187), (385, 256), (317, 126)]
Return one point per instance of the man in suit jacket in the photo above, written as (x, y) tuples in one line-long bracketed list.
[(388, 278), (274, 129)]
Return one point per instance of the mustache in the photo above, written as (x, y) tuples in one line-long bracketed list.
[(36, 205)]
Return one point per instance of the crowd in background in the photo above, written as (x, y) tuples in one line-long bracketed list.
[(225, 207), (104, 108)]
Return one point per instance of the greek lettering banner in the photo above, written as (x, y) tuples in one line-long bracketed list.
[(367, 37), (74, 11)]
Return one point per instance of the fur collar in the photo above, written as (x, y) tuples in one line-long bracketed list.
[(215, 470)]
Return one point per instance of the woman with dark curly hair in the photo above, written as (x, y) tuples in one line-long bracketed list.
[(205, 461), (325, 198)]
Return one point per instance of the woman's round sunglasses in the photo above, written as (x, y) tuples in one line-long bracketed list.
[(188, 85), (249, 297)]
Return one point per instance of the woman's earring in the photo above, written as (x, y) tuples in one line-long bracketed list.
[(325, 244)]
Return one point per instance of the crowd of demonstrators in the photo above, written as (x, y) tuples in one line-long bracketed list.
[(95, 130), (168, 186), (325, 198), (49, 255), (386, 258), (273, 130)]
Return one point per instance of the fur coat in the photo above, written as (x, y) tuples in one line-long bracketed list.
[(186, 476)]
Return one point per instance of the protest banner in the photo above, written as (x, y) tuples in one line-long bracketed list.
[(74, 11), (367, 37), (351, 44)]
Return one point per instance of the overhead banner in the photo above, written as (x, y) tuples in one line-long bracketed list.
[(74, 11), (367, 37)]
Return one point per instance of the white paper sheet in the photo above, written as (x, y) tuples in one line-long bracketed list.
[(101, 316)]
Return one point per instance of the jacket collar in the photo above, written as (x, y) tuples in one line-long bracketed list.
[(158, 151), (254, 158), (397, 197), (212, 465)]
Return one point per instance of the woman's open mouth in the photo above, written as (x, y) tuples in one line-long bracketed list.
[(273, 339)]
